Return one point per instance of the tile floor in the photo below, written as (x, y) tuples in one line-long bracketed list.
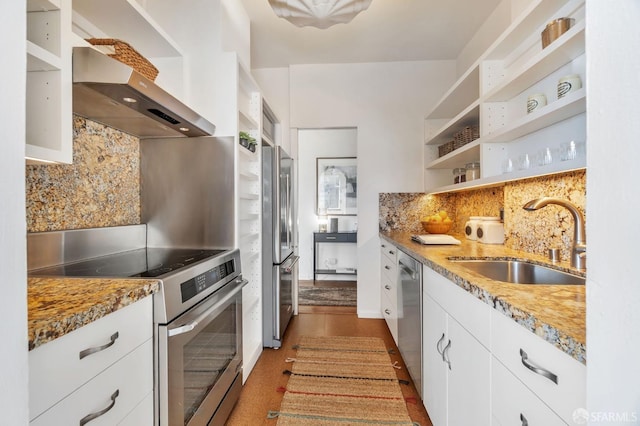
[(260, 393)]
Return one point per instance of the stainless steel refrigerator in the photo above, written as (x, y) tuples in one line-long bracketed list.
[(280, 269)]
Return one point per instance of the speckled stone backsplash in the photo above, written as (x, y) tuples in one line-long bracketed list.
[(533, 232), (101, 188), (551, 226), (402, 211)]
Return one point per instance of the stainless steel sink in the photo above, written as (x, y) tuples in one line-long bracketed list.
[(519, 272)]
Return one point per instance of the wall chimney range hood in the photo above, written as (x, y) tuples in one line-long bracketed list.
[(114, 94)]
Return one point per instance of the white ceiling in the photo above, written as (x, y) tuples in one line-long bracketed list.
[(390, 30)]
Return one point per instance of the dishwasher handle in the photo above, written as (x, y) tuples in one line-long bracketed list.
[(409, 270)]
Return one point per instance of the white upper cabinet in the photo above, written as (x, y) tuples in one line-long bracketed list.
[(493, 94)]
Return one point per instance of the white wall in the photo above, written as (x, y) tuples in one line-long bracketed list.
[(13, 303), (613, 286), (386, 102), (314, 143)]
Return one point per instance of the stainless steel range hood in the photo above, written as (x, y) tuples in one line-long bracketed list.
[(112, 93)]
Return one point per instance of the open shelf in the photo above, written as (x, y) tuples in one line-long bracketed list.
[(249, 176), (42, 5), (491, 181), (467, 154), (247, 122), (536, 15), (39, 59), (128, 21), (570, 105), (563, 50), (470, 116), (459, 96)]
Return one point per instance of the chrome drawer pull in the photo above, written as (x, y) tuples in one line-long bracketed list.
[(86, 419), (438, 345), (387, 267), (523, 419), (387, 287), (330, 238), (87, 352), (445, 357), (541, 371), (387, 311)]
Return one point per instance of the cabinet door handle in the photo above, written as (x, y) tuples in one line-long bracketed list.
[(383, 246), (86, 419), (387, 287), (523, 419), (89, 351), (438, 345), (387, 267), (330, 238), (445, 356), (392, 252), (538, 370), (387, 311)]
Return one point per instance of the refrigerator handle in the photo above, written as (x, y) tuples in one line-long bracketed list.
[(288, 201)]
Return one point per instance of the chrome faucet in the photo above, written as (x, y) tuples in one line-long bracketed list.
[(579, 249)]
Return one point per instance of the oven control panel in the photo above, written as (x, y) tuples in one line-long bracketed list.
[(202, 282)]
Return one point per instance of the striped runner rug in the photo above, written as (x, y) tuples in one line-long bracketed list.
[(342, 381)]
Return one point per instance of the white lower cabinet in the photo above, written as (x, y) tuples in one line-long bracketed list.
[(389, 286), (481, 367), (105, 368), (514, 404), (553, 376), (109, 397), (456, 366)]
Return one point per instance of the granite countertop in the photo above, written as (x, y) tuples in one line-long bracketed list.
[(57, 306), (556, 312)]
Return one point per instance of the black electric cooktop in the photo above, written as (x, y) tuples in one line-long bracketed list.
[(145, 262)]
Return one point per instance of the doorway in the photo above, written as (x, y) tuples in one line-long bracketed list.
[(330, 280)]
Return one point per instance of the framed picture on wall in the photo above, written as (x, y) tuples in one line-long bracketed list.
[(337, 186)]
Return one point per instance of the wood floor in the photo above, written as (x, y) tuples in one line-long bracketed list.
[(260, 393)]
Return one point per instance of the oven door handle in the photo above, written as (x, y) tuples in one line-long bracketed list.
[(193, 324)]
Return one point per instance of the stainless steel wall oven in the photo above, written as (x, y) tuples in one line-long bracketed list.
[(199, 352)]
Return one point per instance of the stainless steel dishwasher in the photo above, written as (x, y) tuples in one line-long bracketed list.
[(410, 316)]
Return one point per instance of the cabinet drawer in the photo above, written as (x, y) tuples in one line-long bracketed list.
[(565, 396), (335, 237), (390, 291), (132, 377), (55, 368), (512, 399), (142, 414), (390, 313), (473, 314), (389, 268), (390, 251)]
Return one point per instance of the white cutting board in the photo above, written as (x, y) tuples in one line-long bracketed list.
[(436, 239)]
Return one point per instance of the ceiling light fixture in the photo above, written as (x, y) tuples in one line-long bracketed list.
[(318, 13)]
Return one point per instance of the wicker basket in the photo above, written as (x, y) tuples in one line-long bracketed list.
[(126, 54), (445, 148), (466, 135)]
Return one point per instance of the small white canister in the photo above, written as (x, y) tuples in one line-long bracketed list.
[(491, 231), (568, 83), (535, 102), (471, 227)]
